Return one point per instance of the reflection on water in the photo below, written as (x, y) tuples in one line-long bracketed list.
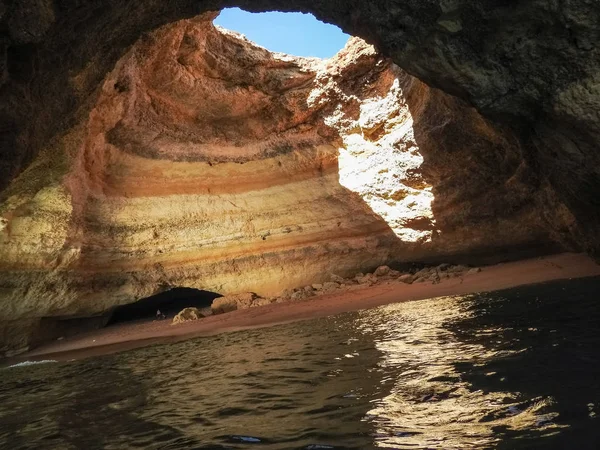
[(517, 369), (432, 403)]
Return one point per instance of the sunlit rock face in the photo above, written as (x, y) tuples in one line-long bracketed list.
[(530, 66), (207, 162)]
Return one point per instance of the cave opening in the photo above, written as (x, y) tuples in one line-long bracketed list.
[(292, 33), (168, 302)]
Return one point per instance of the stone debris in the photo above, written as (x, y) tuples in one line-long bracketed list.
[(369, 279), (301, 294), (336, 279), (330, 286), (382, 274), (406, 278), (382, 271), (262, 302), (232, 302), (187, 315)]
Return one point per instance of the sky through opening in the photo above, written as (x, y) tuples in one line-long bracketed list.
[(292, 33)]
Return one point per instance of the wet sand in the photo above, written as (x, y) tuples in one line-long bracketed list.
[(137, 334)]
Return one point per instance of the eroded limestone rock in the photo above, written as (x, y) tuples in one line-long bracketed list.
[(382, 271), (233, 302), (330, 286), (406, 278), (187, 315), (204, 161)]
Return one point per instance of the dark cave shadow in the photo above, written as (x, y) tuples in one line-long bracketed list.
[(169, 303), (479, 180), (554, 329)]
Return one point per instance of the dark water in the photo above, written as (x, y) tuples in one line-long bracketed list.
[(517, 369)]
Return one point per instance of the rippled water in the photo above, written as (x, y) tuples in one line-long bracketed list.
[(517, 369)]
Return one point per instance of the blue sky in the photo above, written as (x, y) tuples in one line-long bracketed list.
[(293, 33)]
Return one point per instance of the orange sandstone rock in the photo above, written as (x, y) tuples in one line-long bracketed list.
[(209, 162)]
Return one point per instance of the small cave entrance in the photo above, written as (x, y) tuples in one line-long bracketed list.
[(169, 303)]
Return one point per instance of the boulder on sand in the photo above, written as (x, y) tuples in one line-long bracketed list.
[(330, 286), (369, 279), (232, 302), (382, 271), (336, 279), (286, 294), (262, 302), (187, 315), (302, 294), (406, 278)]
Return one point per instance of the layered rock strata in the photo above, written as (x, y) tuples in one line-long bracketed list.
[(208, 162), (532, 66)]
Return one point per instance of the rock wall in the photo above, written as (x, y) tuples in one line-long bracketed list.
[(530, 65), (205, 161)]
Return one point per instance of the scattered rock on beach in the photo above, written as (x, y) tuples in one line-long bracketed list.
[(430, 274), (262, 302), (424, 273), (336, 279), (223, 305), (301, 294), (187, 315), (382, 271), (406, 278), (368, 279), (286, 293), (330, 286), (232, 302)]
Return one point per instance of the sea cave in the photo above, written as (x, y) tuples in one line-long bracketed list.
[(161, 171)]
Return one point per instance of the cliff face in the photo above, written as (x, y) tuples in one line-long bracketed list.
[(531, 66), (205, 161)]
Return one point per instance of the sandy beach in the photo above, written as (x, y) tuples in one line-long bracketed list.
[(137, 334)]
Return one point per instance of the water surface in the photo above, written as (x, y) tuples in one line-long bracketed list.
[(516, 369)]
